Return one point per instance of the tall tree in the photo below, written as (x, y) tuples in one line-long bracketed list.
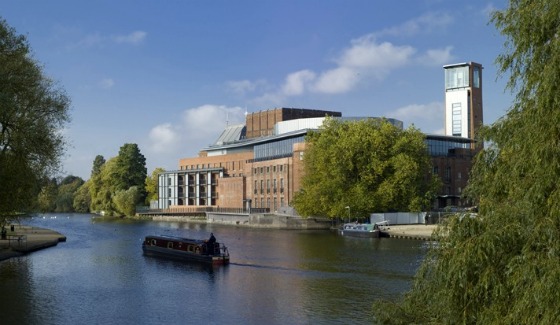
[(130, 168), (504, 266), (95, 184), (33, 109), (367, 165)]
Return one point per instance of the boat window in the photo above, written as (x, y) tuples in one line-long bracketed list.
[(170, 245), (153, 242), (191, 248)]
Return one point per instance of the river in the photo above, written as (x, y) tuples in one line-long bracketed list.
[(100, 276)]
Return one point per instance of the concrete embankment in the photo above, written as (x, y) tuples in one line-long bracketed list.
[(20, 240), (420, 231)]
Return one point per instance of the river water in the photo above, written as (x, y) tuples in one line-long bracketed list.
[(100, 276)]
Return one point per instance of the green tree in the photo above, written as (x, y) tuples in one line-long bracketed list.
[(130, 169), (125, 200), (95, 184), (82, 198), (33, 109), (47, 196), (66, 191), (503, 267), (151, 185), (367, 165)]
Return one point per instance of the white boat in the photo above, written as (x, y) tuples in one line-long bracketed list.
[(368, 230)]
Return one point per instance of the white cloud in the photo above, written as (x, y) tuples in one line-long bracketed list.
[(106, 83), (242, 87), (134, 38), (437, 57), (296, 82), (336, 81), (163, 138), (195, 129), (426, 117), (367, 53)]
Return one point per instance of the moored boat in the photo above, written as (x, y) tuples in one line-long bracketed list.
[(207, 251), (360, 230)]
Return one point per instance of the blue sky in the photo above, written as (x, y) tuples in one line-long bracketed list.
[(169, 75)]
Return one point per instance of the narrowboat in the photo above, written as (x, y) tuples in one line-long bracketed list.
[(207, 251), (367, 230)]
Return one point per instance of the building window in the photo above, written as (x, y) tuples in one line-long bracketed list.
[(267, 169), (476, 77), (459, 176), (268, 186), (456, 119), (281, 185)]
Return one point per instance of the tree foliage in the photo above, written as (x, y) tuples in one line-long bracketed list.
[(151, 185), (503, 267), (33, 110), (117, 176), (125, 200), (58, 195), (367, 165)]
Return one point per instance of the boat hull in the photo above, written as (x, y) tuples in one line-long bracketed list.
[(362, 234)]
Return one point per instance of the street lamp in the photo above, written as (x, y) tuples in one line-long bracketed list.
[(348, 207)]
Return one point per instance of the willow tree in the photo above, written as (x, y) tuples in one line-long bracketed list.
[(33, 111), (503, 267), (366, 165)]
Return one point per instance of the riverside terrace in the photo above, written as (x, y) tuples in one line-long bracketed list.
[(19, 240)]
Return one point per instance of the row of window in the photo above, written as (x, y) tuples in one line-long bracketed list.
[(231, 165), (262, 203), (274, 184), (267, 169)]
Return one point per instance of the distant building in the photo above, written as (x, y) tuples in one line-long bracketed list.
[(258, 165)]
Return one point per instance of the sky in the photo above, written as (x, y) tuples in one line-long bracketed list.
[(171, 75)]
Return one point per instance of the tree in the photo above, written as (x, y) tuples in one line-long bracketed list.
[(368, 165), (504, 265), (47, 197), (116, 175), (32, 112), (67, 190), (125, 200), (152, 185), (95, 184), (130, 169), (82, 198)]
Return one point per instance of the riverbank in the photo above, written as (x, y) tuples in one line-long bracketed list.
[(417, 231), (21, 240)]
